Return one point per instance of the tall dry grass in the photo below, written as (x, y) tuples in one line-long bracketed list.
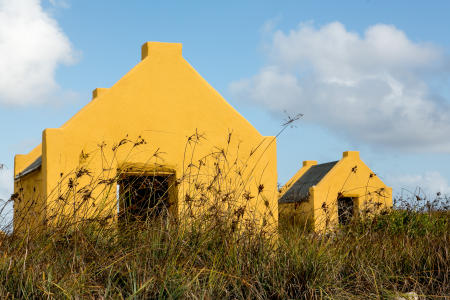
[(398, 251)]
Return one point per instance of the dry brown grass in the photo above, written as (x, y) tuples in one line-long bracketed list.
[(406, 249)]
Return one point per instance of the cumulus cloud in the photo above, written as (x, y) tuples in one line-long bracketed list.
[(6, 183), (6, 189), (428, 183), (32, 45), (371, 87)]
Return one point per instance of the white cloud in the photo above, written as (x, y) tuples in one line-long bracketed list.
[(6, 189), (32, 45), (371, 88), (429, 183), (6, 183)]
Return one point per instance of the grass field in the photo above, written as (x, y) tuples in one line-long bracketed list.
[(403, 250), (396, 251)]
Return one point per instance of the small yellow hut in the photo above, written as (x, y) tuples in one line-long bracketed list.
[(160, 130), (324, 195)]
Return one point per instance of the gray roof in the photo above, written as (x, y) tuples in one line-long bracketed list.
[(31, 168), (299, 191)]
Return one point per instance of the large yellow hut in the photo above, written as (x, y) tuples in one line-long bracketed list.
[(160, 130), (324, 195)]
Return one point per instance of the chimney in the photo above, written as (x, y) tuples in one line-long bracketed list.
[(307, 163), (98, 91), (151, 48), (352, 154)]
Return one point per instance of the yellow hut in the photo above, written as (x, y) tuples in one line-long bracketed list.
[(160, 130), (324, 195)]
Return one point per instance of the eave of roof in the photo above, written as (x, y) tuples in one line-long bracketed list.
[(31, 168), (299, 191)]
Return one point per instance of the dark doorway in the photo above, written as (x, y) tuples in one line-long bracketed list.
[(142, 197), (345, 210)]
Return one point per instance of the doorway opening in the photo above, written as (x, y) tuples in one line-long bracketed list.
[(145, 197), (346, 209)]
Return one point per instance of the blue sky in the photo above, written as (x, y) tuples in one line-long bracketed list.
[(371, 76)]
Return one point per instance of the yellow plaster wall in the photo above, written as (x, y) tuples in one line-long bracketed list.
[(163, 100), (350, 177), (29, 206)]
